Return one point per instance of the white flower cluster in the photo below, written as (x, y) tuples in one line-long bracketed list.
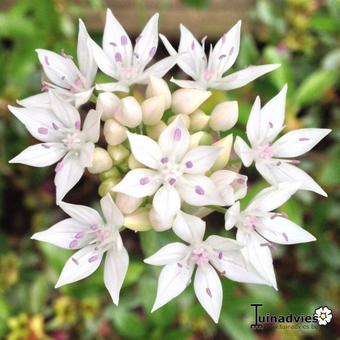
[(165, 164)]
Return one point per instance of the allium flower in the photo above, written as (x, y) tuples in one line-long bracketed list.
[(93, 236), (127, 65), (174, 172), (272, 158), (73, 84), (59, 130), (216, 255), (257, 226), (209, 73)]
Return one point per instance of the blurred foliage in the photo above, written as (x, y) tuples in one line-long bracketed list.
[(301, 35)]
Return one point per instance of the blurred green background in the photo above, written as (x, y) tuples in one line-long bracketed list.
[(302, 35)]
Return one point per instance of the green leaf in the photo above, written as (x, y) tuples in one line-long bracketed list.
[(38, 294), (235, 327), (134, 273)]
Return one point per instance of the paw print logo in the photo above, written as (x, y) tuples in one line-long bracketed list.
[(324, 315)]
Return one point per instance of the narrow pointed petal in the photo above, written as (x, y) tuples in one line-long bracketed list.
[(85, 215), (112, 87), (138, 183), (232, 215), (68, 173), (171, 253), (40, 155), (172, 281), (208, 290), (254, 124), (80, 265), (37, 100), (86, 154), (68, 234), (200, 159), (111, 212), (91, 128), (81, 98), (198, 190), (175, 140), (189, 228), (189, 84), (115, 269), (241, 78), (145, 150), (168, 45), (283, 231), (223, 244), (242, 150), (297, 142)]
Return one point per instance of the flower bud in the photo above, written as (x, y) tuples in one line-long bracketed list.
[(112, 173), (107, 186), (159, 87), (153, 109), (101, 161), (200, 138), (129, 112), (226, 144), (186, 101), (133, 163), (154, 131), (224, 116), (198, 121), (107, 103), (185, 119), (158, 223), (126, 203), (138, 220), (118, 153), (114, 132)]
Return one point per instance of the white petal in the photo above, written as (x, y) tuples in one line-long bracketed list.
[(68, 234), (167, 45), (39, 122), (173, 279), (243, 77), (189, 228), (40, 155), (37, 100), (175, 140), (145, 150), (81, 98), (112, 87), (231, 216), (166, 202), (223, 244), (242, 150), (86, 61), (111, 212), (189, 84), (226, 50), (200, 159), (297, 142), (85, 215), (86, 154), (283, 231), (68, 173), (208, 290), (147, 42), (91, 127), (172, 252), (254, 126), (138, 183), (198, 190), (115, 269), (80, 265)]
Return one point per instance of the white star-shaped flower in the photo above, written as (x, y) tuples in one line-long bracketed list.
[(174, 171), (209, 73), (93, 236), (216, 255), (73, 84), (119, 60), (324, 315), (272, 158), (257, 226), (59, 130)]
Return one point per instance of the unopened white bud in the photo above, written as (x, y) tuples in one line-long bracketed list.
[(226, 144), (101, 161), (133, 163), (114, 132), (126, 203), (138, 220), (159, 87), (107, 103), (200, 138), (129, 112), (185, 119), (154, 131), (198, 121), (159, 223), (118, 153), (186, 101), (153, 109), (224, 116)]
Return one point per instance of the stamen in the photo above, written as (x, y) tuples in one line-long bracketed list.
[(45, 146), (189, 164), (123, 40), (179, 265), (220, 255), (199, 190), (138, 38), (221, 56), (193, 45), (58, 167), (152, 52), (55, 126), (73, 244), (43, 131), (80, 234), (172, 181), (223, 38), (144, 180), (94, 227), (270, 124), (112, 43), (77, 124), (231, 51), (208, 291), (294, 161), (75, 261), (285, 236), (240, 180), (303, 139), (164, 160), (177, 135), (46, 61), (278, 163), (118, 57), (93, 258)]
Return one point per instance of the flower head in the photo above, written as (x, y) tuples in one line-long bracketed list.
[(94, 236), (59, 130), (209, 73), (272, 158)]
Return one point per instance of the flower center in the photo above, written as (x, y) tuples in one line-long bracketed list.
[(200, 256), (170, 171), (71, 139), (249, 222), (266, 151)]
